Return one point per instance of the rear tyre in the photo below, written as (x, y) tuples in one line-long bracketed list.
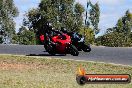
[(74, 50)]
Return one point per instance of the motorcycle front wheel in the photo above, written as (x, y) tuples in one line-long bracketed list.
[(73, 50), (86, 48), (50, 49)]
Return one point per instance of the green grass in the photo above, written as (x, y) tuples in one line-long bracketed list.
[(42, 72)]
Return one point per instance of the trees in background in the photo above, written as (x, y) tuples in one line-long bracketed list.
[(61, 13), (8, 11), (25, 37), (94, 17), (7, 25), (89, 35), (120, 35)]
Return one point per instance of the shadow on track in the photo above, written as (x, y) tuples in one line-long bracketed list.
[(45, 55)]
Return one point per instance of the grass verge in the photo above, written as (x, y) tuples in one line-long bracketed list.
[(42, 72)]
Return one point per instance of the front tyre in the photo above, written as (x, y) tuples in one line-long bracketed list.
[(86, 48), (50, 49), (73, 50)]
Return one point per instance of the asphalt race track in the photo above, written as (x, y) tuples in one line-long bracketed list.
[(99, 54)]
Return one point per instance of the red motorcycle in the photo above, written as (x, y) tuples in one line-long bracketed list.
[(56, 42)]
